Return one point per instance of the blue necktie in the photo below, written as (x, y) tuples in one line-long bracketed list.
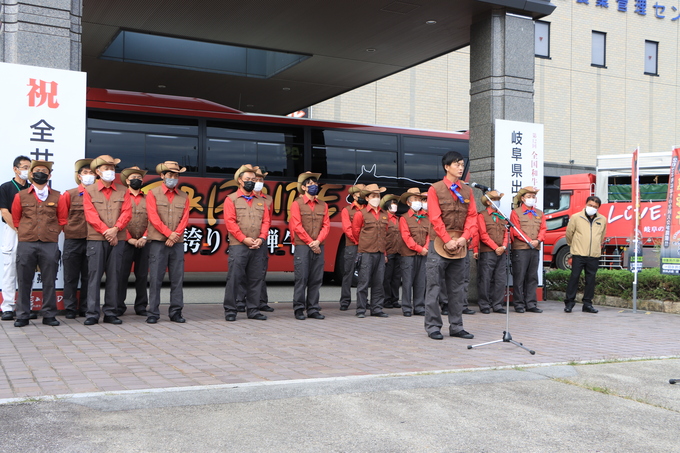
[(454, 189), (530, 211)]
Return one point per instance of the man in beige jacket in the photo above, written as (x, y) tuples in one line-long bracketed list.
[(585, 233)]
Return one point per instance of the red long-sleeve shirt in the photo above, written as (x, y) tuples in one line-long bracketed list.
[(295, 224), (17, 211), (154, 218), (92, 216), (231, 222), (347, 222), (514, 218), (435, 214), (406, 234)]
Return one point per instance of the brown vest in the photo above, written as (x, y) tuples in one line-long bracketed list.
[(373, 234), (76, 228), (351, 211), (108, 210), (39, 220), (530, 226), (419, 232), (268, 200), (140, 221), (249, 218), (393, 241), (454, 212), (170, 213), (312, 220), (495, 230)]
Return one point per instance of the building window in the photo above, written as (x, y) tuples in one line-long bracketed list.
[(599, 49), (651, 58), (542, 39)]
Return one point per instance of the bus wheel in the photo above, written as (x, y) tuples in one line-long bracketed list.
[(563, 258)]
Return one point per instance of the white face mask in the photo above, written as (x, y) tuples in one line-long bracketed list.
[(393, 208), (23, 174), (416, 205), (530, 202), (87, 179), (108, 175), (170, 183), (258, 186), (591, 211), (425, 205), (375, 202)]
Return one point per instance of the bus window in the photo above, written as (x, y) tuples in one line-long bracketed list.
[(354, 140), (126, 146), (423, 167), (385, 163), (334, 163), (276, 157), (161, 148), (436, 146), (226, 156)]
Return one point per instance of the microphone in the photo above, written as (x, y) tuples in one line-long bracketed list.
[(479, 186)]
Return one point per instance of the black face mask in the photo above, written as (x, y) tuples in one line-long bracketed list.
[(136, 184), (248, 186), (40, 178), (362, 201)]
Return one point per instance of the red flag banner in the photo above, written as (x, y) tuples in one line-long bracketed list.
[(670, 248)]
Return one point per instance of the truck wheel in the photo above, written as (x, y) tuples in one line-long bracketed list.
[(563, 258)]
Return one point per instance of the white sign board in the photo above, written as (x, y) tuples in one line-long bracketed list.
[(518, 163), (42, 117)]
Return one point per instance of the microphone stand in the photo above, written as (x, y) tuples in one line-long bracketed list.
[(507, 338)]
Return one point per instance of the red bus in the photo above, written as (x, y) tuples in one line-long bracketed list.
[(212, 141)]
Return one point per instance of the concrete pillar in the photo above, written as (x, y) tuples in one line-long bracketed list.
[(502, 87), (502, 82), (44, 33)]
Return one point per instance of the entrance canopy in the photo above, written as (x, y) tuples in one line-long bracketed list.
[(271, 56)]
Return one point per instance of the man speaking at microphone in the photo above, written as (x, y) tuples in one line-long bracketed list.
[(453, 215)]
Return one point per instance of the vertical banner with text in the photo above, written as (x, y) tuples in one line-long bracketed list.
[(636, 257), (670, 247), (42, 117), (518, 163)]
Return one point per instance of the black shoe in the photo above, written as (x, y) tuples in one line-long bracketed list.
[(567, 309), (21, 323), (569, 306), (230, 317), (388, 305), (589, 309), (266, 308), (344, 307), (112, 320), (241, 309), (519, 309), (300, 314), (462, 334), (259, 317), (142, 313), (51, 322), (121, 311), (467, 311), (7, 316), (316, 315), (486, 311), (445, 312), (535, 310), (151, 320), (500, 310), (408, 315), (419, 313), (91, 321), (436, 335), (396, 305), (70, 314), (34, 315), (380, 315), (361, 315), (82, 314), (177, 317)]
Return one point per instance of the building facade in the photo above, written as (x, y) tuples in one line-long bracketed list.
[(606, 81)]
